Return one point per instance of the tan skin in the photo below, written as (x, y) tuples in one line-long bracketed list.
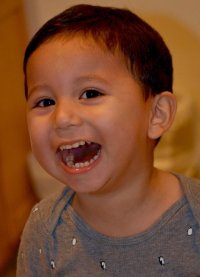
[(128, 214), (121, 194)]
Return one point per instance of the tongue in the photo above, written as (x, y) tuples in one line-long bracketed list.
[(83, 153)]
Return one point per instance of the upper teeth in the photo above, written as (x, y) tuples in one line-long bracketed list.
[(74, 145)]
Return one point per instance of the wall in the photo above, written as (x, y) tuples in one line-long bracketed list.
[(187, 12), (15, 196)]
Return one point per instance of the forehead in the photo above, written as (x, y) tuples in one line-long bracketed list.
[(75, 52), (83, 42), (72, 64)]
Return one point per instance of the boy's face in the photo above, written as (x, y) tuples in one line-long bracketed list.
[(87, 117)]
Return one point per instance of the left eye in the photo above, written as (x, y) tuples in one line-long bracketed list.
[(45, 103), (91, 93)]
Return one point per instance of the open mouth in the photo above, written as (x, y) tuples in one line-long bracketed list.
[(80, 154)]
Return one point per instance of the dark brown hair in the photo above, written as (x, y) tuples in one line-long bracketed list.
[(144, 50)]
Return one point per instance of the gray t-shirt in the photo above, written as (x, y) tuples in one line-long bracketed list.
[(57, 242)]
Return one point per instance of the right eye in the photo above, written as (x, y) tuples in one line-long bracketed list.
[(91, 93), (45, 103)]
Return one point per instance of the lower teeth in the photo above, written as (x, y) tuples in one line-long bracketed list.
[(70, 162)]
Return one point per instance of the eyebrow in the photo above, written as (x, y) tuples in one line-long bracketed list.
[(78, 80), (36, 88), (91, 77)]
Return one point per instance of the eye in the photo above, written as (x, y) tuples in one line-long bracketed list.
[(91, 93), (45, 103)]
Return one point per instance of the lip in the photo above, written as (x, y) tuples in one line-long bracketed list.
[(74, 170)]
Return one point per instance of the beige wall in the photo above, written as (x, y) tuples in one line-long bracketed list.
[(185, 11)]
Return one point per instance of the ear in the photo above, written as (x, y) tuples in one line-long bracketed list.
[(162, 115)]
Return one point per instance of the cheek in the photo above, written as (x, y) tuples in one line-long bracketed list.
[(115, 127), (37, 132), (39, 144), (119, 118), (125, 125)]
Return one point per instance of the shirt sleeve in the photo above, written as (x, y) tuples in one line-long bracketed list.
[(34, 255)]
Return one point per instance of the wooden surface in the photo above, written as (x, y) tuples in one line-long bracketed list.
[(16, 197)]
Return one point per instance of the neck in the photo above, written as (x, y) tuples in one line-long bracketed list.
[(130, 209)]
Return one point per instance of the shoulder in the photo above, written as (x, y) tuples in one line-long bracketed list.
[(45, 214), (35, 253), (49, 210), (191, 188)]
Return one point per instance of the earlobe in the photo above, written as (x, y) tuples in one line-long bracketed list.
[(162, 115)]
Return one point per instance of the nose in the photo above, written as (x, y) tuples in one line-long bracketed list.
[(66, 115)]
